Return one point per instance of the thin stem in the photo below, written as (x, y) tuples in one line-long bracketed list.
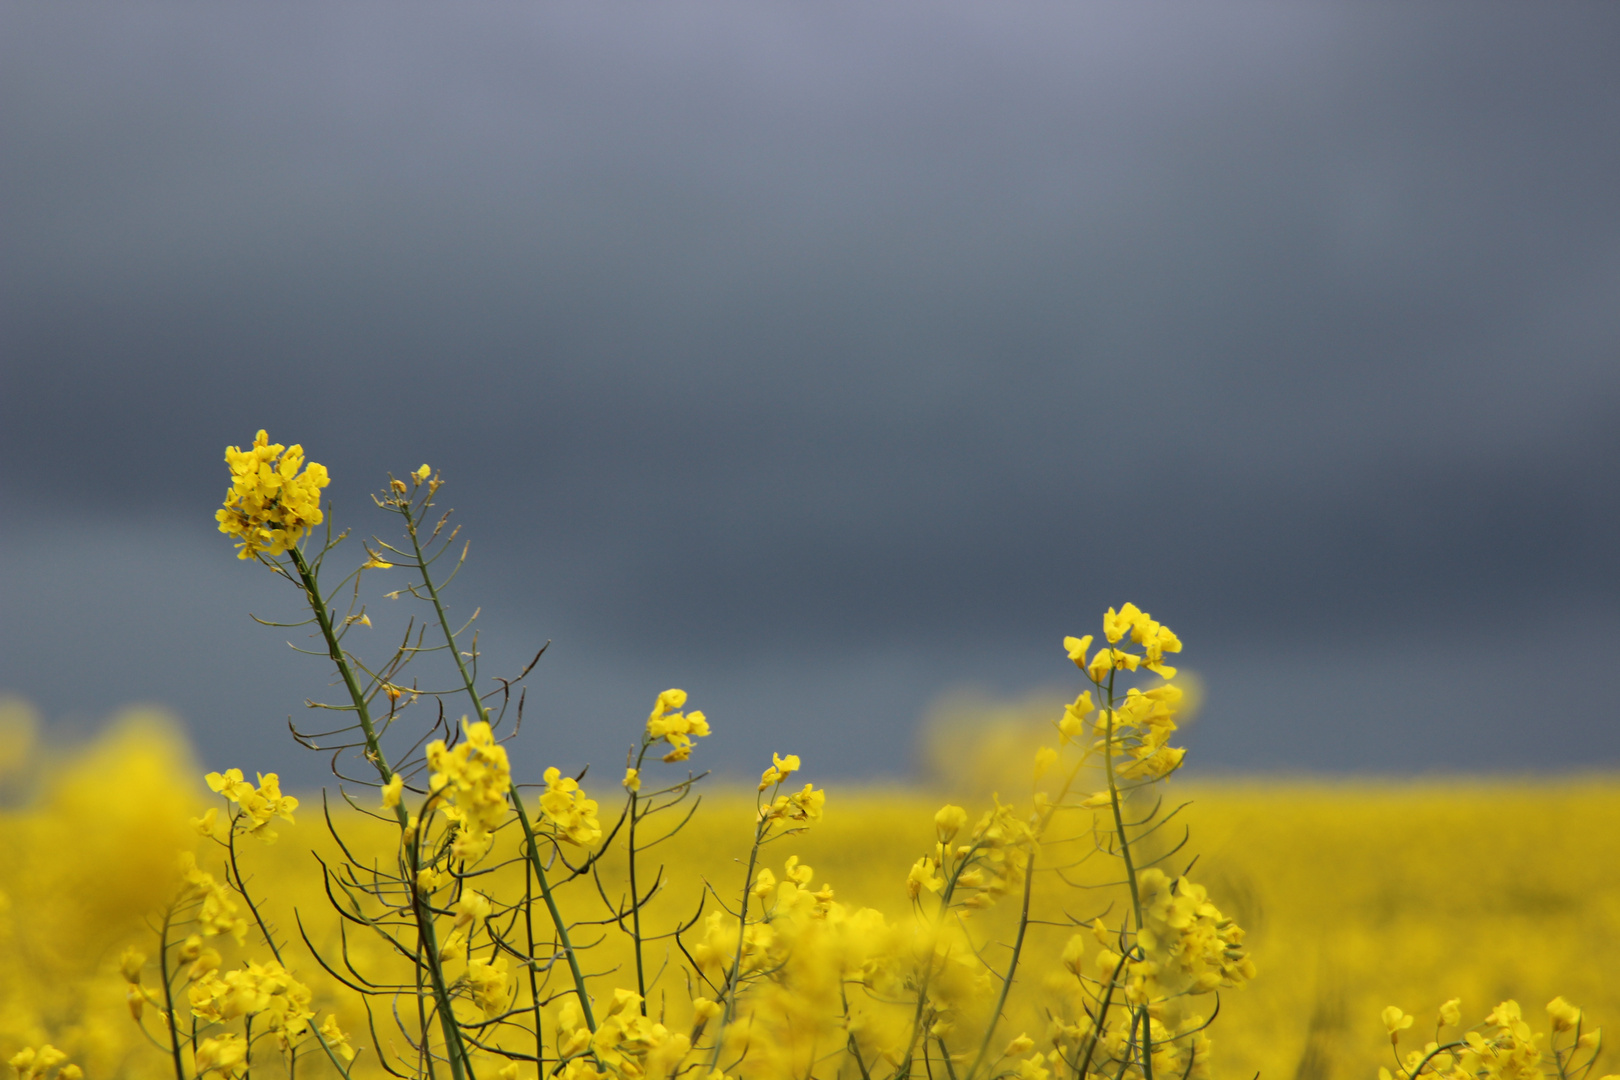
[(1012, 968), (1125, 854), (557, 921), (241, 888), (728, 992), (455, 1051), (168, 994), (534, 982)]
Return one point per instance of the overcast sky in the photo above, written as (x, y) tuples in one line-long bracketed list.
[(825, 358)]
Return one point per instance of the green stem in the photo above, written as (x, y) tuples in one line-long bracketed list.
[(635, 909), (728, 992), (556, 915), (1012, 968), (517, 798), (438, 612), (635, 896), (241, 888), (168, 994), (454, 1049), (534, 981), (1125, 854)]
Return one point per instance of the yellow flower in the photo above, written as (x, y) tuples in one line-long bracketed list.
[(1117, 625), (335, 1038), (564, 804), (391, 791), (472, 779), (1396, 1021), (1564, 1015), (673, 727), (271, 503), (1023, 1044), (781, 768), (472, 907), (224, 1054), (259, 804), (488, 984), (632, 779), (948, 821), (419, 477), (803, 805), (1451, 1013)]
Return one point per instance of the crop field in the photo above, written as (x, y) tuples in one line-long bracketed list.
[(1355, 896), (1055, 901)]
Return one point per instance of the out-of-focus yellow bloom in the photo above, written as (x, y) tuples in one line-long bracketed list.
[(471, 908), (392, 791), (488, 984), (130, 964), (218, 913), (224, 1054), (335, 1038), (781, 768), (805, 805), (632, 779), (564, 804), (676, 728), (1395, 1021), (271, 503), (948, 821), (1564, 1015), (419, 477), (32, 1064), (1451, 1013)]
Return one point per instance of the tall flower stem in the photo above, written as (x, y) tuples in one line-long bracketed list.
[(455, 1050), (531, 841)]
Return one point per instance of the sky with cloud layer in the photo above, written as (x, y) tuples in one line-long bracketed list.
[(829, 360)]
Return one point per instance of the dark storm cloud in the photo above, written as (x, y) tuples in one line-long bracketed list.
[(747, 334)]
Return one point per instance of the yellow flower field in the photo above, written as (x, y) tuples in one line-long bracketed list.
[(1356, 894), (1054, 902)]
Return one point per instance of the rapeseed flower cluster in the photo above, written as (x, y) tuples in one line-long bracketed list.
[(1502, 1047), (570, 812), (677, 729), (258, 805), (43, 1064), (274, 498), (471, 781)]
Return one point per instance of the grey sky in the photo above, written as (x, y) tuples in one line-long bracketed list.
[(825, 357)]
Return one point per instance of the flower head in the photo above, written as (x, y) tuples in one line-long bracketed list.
[(274, 498), (676, 728)]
